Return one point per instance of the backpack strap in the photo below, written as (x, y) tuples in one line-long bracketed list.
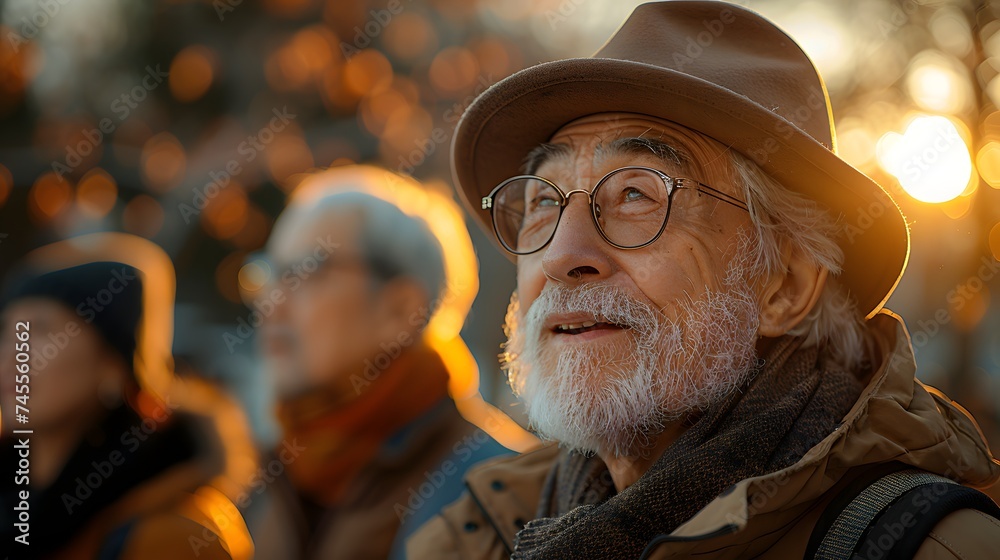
[(904, 526), (888, 512)]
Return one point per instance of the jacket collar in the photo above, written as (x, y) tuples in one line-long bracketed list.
[(507, 490)]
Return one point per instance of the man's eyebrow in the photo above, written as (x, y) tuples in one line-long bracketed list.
[(542, 153), (639, 146), (631, 146)]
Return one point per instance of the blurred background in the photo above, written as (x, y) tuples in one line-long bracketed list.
[(190, 122)]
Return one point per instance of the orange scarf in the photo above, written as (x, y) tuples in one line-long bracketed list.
[(340, 439)]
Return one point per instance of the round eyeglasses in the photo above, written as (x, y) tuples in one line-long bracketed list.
[(630, 207)]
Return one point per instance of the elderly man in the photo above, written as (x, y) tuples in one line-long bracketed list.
[(372, 443), (697, 322)]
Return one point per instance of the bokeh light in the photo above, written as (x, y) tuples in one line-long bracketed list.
[(378, 109), (856, 142), (930, 159), (49, 195), (163, 162), (19, 64), (454, 70), (994, 241), (254, 275), (988, 163), (367, 72), (96, 193), (957, 207), (939, 83), (818, 28), (303, 60), (226, 213), (410, 37), (497, 58), (950, 29), (192, 72), (990, 34)]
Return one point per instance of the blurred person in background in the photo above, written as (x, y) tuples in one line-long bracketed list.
[(698, 322), (114, 472), (372, 444)]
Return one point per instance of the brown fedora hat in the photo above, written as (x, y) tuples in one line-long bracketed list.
[(713, 67)]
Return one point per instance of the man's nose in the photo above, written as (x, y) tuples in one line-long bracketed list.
[(577, 252)]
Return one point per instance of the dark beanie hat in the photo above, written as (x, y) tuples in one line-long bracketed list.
[(107, 295)]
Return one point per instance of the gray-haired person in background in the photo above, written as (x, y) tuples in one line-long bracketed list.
[(367, 423)]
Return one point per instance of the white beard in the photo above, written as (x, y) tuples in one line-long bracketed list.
[(604, 398)]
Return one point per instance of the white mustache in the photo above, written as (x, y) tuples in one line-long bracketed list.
[(607, 303)]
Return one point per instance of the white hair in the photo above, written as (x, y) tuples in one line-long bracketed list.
[(781, 216), (393, 242)]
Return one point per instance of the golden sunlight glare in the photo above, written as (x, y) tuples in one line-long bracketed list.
[(937, 83), (930, 159)]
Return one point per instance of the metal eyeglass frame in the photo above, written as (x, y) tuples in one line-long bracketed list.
[(672, 184)]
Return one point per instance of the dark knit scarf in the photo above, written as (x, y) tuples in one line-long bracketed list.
[(794, 399)]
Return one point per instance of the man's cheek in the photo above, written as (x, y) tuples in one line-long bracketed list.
[(526, 295), (530, 277)]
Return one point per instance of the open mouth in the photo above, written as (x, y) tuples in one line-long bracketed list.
[(586, 326)]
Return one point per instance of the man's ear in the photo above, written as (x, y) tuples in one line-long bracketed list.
[(403, 307), (789, 295)]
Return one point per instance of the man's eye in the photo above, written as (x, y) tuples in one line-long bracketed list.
[(633, 194), (544, 201)]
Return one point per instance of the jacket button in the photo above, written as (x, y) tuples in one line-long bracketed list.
[(497, 485), (471, 526)]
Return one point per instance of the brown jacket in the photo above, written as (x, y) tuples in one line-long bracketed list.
[(895, 419)]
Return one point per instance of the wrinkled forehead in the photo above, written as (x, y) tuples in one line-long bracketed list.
[(623, 136)]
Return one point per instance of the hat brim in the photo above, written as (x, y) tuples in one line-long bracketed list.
[(516, 114)]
